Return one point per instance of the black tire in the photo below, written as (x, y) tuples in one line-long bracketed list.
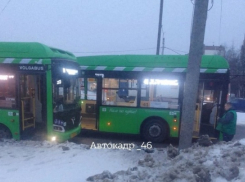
[(155, 130), (5, 133)]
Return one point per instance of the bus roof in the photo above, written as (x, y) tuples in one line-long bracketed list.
[(162, 63), (31, 50)]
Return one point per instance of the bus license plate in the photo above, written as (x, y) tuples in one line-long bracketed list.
[(73, 135)]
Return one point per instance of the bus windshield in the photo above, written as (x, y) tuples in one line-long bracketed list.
[(65, 93)]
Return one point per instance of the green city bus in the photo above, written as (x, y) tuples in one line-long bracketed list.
[(143, 94), (39, 92)]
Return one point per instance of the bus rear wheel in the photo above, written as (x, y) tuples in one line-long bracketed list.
[(5, 133), (155, 130)]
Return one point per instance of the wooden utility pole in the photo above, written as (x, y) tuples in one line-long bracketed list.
[(159, 28), (193, 72)]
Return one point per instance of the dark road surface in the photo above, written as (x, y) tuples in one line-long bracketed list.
[(93, 137), (240, 132)]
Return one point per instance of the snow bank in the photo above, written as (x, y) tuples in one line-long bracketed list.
[(219, 163)]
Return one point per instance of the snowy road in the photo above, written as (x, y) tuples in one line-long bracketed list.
[(88, 137), (240, 132)]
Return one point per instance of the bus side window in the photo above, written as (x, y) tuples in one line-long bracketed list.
[(7, 91), (119, 92), (156, 93)]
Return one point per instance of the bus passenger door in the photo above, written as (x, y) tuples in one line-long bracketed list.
[(210, 97), (89, 94), (31, 101), (198, 110)]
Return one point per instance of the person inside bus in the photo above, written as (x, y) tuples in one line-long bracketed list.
[(59, 105), (227, 124)]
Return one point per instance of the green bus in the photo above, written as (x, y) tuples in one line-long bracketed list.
[(39, 92), (143, 94)]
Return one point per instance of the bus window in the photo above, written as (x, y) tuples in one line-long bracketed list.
[(65, 94), (91, 88), (119, 92), (157, 93), (81, 80), (7, 91)]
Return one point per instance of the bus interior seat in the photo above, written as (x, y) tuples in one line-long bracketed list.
[(130, 99)]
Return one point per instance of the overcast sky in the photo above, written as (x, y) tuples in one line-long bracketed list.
[(93, 27)]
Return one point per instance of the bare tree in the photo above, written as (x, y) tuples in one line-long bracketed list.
[(236, 71), (242, 61)]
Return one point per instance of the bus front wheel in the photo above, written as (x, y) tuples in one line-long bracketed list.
[(155, 130), (5, 133)]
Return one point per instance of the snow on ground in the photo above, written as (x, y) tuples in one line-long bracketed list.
[(43, 161), (46, 161)]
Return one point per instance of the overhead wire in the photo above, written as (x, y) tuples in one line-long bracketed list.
[(175, 51), (4, 7), (211, 5)]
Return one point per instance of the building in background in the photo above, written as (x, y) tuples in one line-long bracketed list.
[(214, 50)]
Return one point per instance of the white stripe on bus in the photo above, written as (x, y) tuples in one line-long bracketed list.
[(8, 60), (83, 67), (40, 61), (203, 70), (100, 68), (25, 61), (119, 68), (221, 71), (178, 69), (158, 69), (138, 69)]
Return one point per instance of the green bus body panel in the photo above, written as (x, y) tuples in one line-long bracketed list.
[(49, 99), (161, 63), (32, 50), (61, 137), (10, 118), (129, 120)]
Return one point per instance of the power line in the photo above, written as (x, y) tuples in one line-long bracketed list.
[(175, 51), (212, 5), (5, 7)]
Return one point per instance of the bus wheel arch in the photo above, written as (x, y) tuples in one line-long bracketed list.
[(154, 129), (5, 133)]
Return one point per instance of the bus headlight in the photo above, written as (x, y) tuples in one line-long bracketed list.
[(53, 138)]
